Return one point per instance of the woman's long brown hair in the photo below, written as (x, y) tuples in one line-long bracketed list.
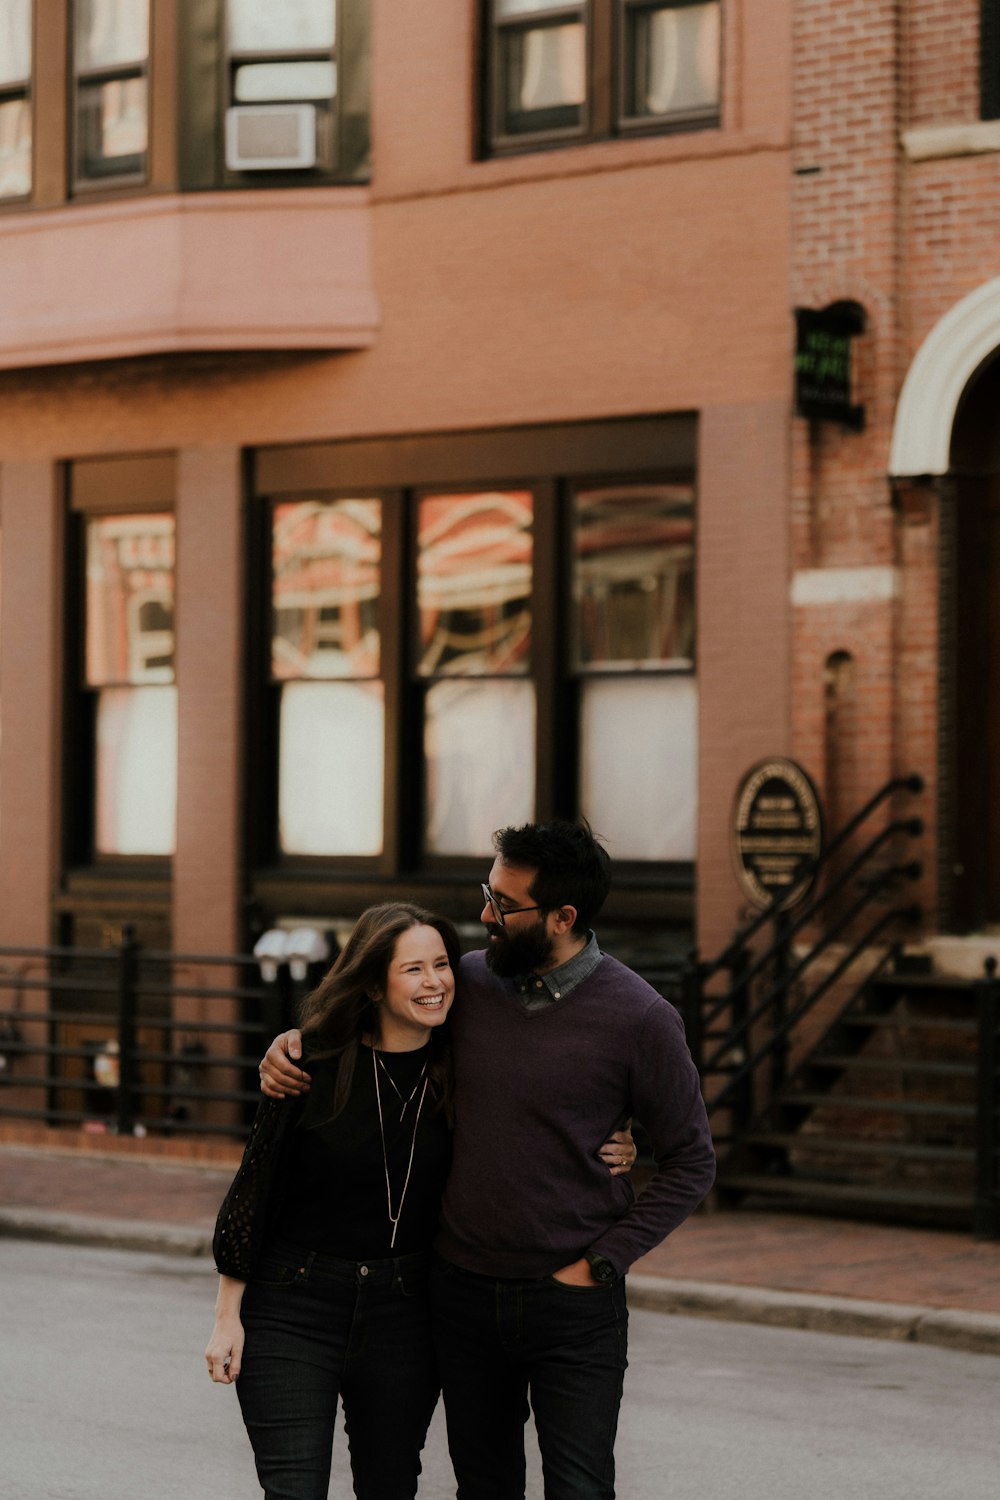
[(341, 1009)]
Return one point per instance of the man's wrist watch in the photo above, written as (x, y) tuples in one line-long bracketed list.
[(601, 1268)]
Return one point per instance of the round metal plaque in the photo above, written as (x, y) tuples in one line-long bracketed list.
[(777, 828)]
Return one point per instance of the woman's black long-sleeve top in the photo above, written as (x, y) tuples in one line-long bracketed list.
[(318, 1182)]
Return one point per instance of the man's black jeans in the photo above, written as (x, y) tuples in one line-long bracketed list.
[(318, 1327), (500, 1342)]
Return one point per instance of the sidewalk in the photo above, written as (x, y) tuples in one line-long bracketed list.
[(787, 1270)]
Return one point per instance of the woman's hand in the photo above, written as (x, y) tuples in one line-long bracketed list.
[(619, 1152), (224, 1354), (279, 1077)]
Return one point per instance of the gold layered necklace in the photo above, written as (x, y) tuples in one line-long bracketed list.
[(412, 1094), (376, 1061)]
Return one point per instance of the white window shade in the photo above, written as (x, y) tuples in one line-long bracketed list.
[(331, 757), (639, 764), (136, 810), (479, 746)]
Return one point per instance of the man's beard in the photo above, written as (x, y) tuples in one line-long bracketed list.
[(519, 952)]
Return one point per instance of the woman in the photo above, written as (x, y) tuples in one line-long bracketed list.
[(322, 1240)]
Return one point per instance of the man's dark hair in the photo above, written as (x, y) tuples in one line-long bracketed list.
[(573, 868)]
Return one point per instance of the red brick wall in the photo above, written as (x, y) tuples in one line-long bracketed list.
[(941, 61)]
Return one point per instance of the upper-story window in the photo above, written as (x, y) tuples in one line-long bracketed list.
[(15, 99), (281, 84), (111, 56), (102, 97), (589, 69)]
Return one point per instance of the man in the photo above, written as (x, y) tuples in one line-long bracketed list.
[(556, 1045)]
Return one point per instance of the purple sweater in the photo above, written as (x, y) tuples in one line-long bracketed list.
[(536, 1095)]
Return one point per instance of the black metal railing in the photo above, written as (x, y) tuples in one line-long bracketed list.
[(987, 1207), (742, 1008), (135, 1041)]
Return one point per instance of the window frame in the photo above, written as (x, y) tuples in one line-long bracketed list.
[(604, 114), (81, 183), (96, 488), (186, 109), (989, 59), (22, 89), (550, 462)]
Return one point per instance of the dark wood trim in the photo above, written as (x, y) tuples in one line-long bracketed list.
[(276, 893), (163, 72), (546, 649), (989, 59), (393, 635), (50, 93), (120, 486), (654, 444)]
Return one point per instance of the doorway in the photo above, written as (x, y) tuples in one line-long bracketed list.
[(973, 662)]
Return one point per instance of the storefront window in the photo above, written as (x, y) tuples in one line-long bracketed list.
[(326, 665), (633, 591), (129, 665), (474, 578)]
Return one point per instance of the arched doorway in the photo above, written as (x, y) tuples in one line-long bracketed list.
[(946, 428), (970, 667)]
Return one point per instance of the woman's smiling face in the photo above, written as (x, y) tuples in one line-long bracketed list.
[(419, 989)]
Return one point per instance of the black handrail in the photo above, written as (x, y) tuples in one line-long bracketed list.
[(730, 1058)]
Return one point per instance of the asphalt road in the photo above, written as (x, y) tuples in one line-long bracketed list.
[(104, 1396)]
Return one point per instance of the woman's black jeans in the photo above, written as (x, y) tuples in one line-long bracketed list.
[(318, 1328)]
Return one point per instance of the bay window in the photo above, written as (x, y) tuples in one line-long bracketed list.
[(111, 65), (119, 97)]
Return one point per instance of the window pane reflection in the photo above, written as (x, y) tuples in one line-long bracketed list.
[(530, 7), (130, 599), (639, 789), (326, 579), (330, 796), (474, 583), (136, 809), (15, 41), (546, 77), (121, 106), (15, 148), (281, 25), (111, 32), (262, 81), (479, 740), (634, 577), (675, 60)]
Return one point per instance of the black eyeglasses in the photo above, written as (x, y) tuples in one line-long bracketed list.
[(497, 909)]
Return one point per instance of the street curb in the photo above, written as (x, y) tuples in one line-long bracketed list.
[(111, 1234), (973, 1332)]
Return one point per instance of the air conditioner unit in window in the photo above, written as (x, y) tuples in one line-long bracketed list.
[(270, 137)]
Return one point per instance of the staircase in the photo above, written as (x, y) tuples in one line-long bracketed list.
[(840, 1072), (880, 1117)]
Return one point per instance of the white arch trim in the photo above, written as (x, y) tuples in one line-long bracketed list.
[(942, 368)]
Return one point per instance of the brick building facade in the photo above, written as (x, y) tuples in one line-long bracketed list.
[(587, 281)]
